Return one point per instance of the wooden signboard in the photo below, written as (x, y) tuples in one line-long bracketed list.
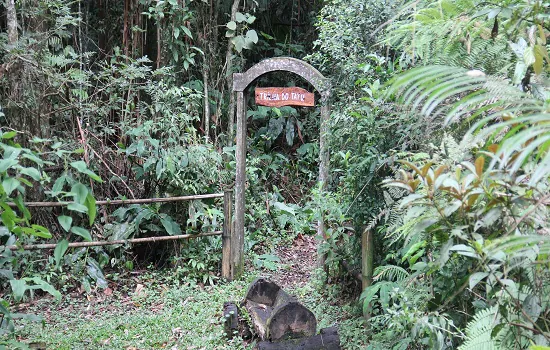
[(278, 97)]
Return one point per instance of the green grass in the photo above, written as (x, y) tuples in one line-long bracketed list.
[(167, 314), (185, 317)]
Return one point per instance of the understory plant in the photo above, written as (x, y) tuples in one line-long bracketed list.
[(23, 173), (472, 229)]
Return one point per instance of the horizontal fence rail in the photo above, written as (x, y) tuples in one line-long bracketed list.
[(118, 241), (227, 267), (125, 201)]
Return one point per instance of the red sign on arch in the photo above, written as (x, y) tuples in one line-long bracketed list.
[(278, 97)]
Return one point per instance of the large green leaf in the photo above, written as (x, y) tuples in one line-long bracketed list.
[(170, 225), (240, 17), (476, 278), (80, 193), (9, 135), (58, 185), (65, 222), (9, 184), (82, 232), (32, 172), (5, 164), (92, 209), (252, 36), (94, 271), (77, 207), (37, 231), (43, 285), (231, 25), (18, 288), (83, 168), (60, 250)]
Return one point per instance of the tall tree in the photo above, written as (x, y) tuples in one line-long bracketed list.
[(11, 16), (229, 75)]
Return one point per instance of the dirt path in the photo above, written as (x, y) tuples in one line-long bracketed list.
[(299, 260)]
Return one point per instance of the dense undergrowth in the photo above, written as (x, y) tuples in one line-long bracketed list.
[(439, 145)]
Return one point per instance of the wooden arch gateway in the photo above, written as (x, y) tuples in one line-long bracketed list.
[(241, 81)]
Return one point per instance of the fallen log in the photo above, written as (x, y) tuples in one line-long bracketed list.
[(328, 339), (275, 314)]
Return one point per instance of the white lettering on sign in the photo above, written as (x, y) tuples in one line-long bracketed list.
[(276, 97)]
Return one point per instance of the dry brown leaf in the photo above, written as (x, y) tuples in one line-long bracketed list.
[(140, 290)]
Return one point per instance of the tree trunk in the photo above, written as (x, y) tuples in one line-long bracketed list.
[(367, 243), (102, 35), (229, 75), (125, 41), (206, 101), (11, 17), (159, 41)]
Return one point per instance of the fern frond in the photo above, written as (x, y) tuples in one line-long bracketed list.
[(410, 228), (377, 218), (447, 94), (390, 273), (520, 251), (478, 331)]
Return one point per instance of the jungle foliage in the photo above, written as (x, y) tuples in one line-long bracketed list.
[(439, 139), (448, 149), (103, 100)]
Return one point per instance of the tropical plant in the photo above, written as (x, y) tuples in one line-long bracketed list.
[(483, 204), (21, 171)]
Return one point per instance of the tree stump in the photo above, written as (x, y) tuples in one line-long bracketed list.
[(275, 314), (231, 319)]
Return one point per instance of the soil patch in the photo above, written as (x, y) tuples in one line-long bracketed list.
[(299, 259)]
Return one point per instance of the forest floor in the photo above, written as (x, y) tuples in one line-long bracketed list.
[(156, 310)]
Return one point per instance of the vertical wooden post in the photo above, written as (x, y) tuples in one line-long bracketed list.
[(367, 256), (226, 236), (237, 234), (323, 166)]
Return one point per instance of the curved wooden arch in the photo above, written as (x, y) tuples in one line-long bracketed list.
[(287, 64), (241, 81)]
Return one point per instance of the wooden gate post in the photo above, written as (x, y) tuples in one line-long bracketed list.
[(237, 234), (367, 258), (226, 236), (324, 159)]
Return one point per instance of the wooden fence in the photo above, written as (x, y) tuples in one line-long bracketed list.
[(227, 252)]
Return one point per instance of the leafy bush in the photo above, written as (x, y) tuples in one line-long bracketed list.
[(22, 170)]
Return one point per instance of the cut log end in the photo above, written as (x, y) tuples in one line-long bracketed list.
[(291, 320), (262, 291), (328, 339), (275, 314)]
